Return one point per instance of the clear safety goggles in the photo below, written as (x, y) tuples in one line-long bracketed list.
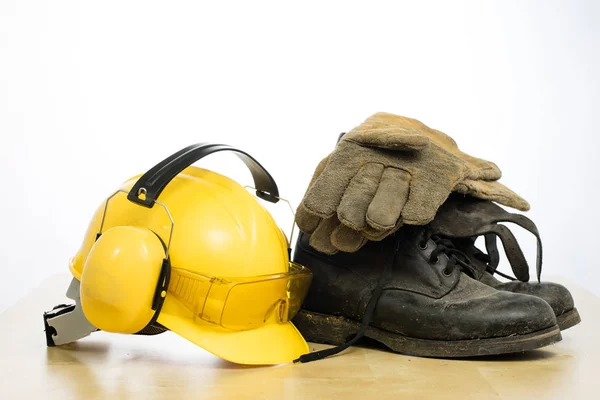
[(242, 303)]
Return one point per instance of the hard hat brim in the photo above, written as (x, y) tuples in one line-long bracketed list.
[(275, 343)]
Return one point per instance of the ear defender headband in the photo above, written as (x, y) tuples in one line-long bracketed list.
[(145, 192)]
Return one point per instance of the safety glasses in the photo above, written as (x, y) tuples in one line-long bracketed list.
[(242, 303)]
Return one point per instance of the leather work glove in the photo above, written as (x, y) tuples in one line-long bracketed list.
[(390, 171)]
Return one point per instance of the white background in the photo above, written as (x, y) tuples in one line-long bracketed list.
[(92, 93)]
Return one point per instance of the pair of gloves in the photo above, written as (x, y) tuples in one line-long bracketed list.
[(390, 171)]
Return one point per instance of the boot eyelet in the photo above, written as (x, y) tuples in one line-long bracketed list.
[(446, 272), (436, 260), (423, 246)]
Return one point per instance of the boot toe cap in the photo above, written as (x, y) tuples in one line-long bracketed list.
[(491, 314), (521, 314), (556, 295)]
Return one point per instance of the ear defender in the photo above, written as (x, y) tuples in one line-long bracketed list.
[(124, 280)]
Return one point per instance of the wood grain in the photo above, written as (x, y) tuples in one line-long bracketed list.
[(110, 366)]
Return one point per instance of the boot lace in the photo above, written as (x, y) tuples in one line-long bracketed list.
[(484, 258), (456, 258), (367, 316)]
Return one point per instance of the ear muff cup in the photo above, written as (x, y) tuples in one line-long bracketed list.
[(119, 279)]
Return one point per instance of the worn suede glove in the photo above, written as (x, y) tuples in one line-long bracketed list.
[(388, 171), (330, 235)]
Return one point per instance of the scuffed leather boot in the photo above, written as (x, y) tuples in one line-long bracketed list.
[(408, 292), (462, 219)]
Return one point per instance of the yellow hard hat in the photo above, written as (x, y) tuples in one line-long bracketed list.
[(193, 251)]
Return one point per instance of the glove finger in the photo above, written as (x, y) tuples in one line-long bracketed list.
[(330, 180), (347, 239), (385, 209), (359, 194), (307, 222), (376, 235), (481, 169), (320, 239), (493, 191), (402, 133), (391, 138), (426, 195), (478, 168), (319, 170)]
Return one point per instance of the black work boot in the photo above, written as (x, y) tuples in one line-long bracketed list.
[(410, 295), (462, 219)]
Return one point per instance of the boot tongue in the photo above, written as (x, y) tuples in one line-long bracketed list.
[(466, 217)]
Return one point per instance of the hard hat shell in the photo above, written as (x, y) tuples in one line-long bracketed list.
[(220, 230)]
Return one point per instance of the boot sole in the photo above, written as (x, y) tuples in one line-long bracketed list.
[(568, 319), (329, 329)]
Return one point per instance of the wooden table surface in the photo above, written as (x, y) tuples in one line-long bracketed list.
[(110, 366)]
